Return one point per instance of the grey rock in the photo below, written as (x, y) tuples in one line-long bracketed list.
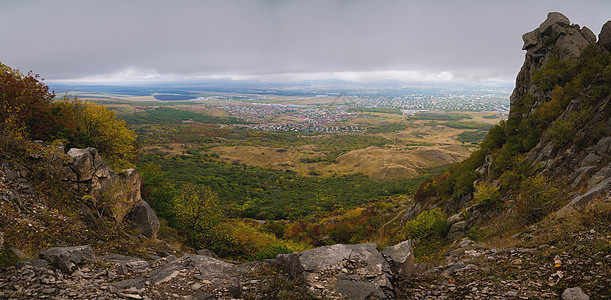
[(570, 45), (591, 158), (360, 290), (36, 264), (603, 146), (455, 218), (66, 258), (452, 268), (206, 252), (604, 37), (82, 163), (314, 265), (553, 18), (588, 34), (220, 274), (530, 39), (113, 193), (401, 258), (601, 189), (399, 253), (599, 176), (142, 219), (574, 294), (127, 264), (457, 230), (579, 175)]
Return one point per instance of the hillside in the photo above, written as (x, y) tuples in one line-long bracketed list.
[(554, 148), (540, 182), (527, 215)]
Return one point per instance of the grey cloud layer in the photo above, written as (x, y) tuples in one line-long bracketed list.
[(470, 39)]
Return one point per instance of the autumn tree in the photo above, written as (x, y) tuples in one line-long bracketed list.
[(25, 102), (97, 126), (200, 215)]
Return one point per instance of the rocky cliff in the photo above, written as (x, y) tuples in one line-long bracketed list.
[(580, 160), (559, 130)]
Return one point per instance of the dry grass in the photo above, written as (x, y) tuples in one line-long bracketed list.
[(375, 162)]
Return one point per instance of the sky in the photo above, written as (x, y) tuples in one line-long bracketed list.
[(277, 40)]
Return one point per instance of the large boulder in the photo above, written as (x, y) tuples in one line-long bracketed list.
[(66, 258), (82, 165), (143, 220), (350, 271)]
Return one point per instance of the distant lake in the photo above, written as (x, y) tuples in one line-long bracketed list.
[(165, 97)]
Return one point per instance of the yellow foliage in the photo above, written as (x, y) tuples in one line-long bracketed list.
[(353, 213), (101, 127), (11, 132), (251, 242)]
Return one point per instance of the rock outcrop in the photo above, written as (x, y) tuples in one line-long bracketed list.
[(108, 193), (555, 36)]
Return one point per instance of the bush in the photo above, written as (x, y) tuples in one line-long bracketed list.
[(536, 199), (248, 242), (561, 133), (12, 134), (487, 195), (199, 215), (271, 252), (427, 224)]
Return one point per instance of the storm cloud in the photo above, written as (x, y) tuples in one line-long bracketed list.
[(277, 39)]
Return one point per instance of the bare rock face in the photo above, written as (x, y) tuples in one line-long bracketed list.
[(604, 38), (66, 258), (351, 271)]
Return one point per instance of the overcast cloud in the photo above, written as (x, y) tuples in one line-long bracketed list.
[(277, 39)]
